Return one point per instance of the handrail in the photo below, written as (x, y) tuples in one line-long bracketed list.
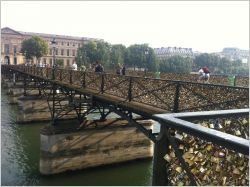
[(205, 154), (170, 95), (133, 76), (179, 121), (175, 77)]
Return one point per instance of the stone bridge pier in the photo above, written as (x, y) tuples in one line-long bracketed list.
[(102, 142)]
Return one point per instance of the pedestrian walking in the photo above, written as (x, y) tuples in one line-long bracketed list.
[(98, 68), (123, 70)]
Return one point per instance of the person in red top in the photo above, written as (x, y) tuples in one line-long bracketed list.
[(204, 74)]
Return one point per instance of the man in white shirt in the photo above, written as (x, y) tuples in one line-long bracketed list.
[(201, 74), (74, 66)]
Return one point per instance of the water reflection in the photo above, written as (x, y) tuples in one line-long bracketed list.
[(20, 159)]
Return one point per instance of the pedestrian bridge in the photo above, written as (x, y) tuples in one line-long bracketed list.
[(157, 99)]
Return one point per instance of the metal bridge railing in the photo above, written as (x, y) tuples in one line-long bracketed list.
[(205, 148), (170, 95), (196, 148), (214, 79)]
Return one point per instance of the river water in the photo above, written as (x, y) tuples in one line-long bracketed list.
[(20, 160)]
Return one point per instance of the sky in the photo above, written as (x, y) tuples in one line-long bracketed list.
[(206, 26)]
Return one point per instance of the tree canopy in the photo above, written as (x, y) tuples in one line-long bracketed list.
[(143, 56), (221, 65), (176, 64), (117, 54), (93, 51), (34, 47)]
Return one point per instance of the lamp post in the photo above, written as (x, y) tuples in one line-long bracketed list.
[(53, 43), (146, 54)]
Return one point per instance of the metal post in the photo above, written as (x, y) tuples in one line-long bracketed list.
[(176, 99), (60, 74), (53, 42), (24, 85), (80, 107), (38, 82), (14, 79), (47, 72), (53, 73), (235, 80), (84, 80), (103, 116), (102, 84), (53, 103), (70, 76), (9, 75), (130, 89), (146, 54), (161, 148)]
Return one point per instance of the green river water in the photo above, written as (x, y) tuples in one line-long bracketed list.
[(20, 160)]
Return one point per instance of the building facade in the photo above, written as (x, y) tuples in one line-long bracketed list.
[(65, 47), (166, 52), (233, 53)]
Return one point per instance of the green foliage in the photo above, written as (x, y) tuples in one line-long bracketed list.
[(93, 51), (220, 65), (176, 64), (34, 47), (59, 62), (151, 60), (141, 56), (117, 54)]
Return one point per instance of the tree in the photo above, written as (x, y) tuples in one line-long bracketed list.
[(34, 47), (141, 56), (176, 64), (59, 62), (138, 55), (93, 51), (117, 54), (81, 57), (220, 65), (151, 60)]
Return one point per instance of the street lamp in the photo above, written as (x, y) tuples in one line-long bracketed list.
[(146, 54), (53, 43)]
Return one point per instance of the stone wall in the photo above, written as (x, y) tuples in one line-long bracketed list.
[(91, 147)]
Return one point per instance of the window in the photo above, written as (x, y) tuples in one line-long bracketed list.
[(67, 62), (68, 44), (62, 43), (44, 60), (6, 48), (73, 52), (79, 45), (56, 51), (50, 51), (50, 61), (15, 49), (67, 52), (15, 61), (62, 52), (73, 43)]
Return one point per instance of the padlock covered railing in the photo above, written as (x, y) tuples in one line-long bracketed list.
[(206, 148)]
